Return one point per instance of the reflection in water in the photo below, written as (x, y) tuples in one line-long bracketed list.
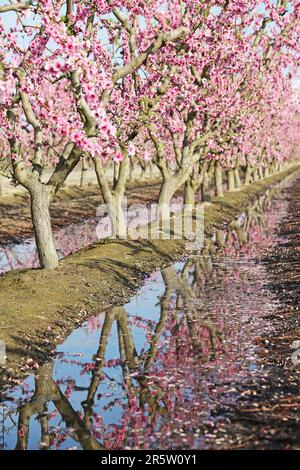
[(160, 371), (70, 239), (67, 240)]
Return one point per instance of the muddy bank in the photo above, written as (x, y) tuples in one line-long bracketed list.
[(38, 309), (71, 205)]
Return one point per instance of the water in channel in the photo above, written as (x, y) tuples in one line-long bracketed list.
[(162, 371)]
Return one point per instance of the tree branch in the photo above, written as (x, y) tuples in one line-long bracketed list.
[(158, 43), (15, 7), (37, 127)]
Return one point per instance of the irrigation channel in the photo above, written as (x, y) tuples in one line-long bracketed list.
[(206, 355)]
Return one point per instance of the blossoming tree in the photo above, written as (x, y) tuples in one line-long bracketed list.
[(192, 85)]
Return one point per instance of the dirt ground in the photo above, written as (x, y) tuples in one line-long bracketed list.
[(38, 309)]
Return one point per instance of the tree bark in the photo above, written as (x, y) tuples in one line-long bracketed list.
[(1, 185), (255, 175), (167, 191), (237, 178), (151, 170), (84, 169), (248, 174), (117, 216), (205, 195), (190, 192), (219, 180), (131, 172), (113, 197), (231, 181), (40, 201)]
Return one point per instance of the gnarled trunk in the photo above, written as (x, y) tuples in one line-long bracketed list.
[(40, 202)]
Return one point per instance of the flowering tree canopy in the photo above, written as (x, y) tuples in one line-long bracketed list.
[(177, 82)]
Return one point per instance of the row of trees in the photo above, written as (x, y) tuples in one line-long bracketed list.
[(196, 87)]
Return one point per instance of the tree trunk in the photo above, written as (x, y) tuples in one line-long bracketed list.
[(1, 185), (166, 194), (248, 174), (237, 178), (115, 172), (219, 180), (231, 182), (144, 172), (190, 192), (42, 227), (205, 195), (267, 172), (261, 172), (255, 175), (117, 216), (151, 170), (113, 198), (84, 170), (131, 172)]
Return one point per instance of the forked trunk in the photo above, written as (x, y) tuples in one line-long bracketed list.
[(42, 228)]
